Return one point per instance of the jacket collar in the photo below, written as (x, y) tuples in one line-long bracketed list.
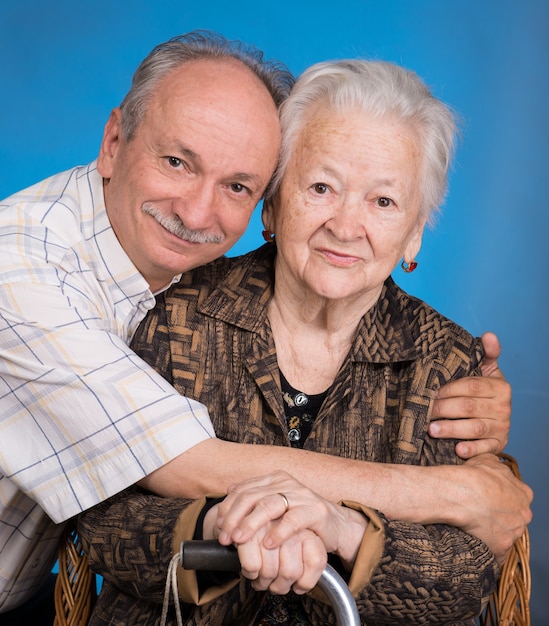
[(242, 296)]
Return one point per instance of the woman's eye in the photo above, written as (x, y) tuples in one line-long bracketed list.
[(384, 202), (174, 161), (320, 188)]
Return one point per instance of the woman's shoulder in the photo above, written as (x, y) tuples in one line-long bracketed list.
[(431, 332), (225, 287), (209, 276)]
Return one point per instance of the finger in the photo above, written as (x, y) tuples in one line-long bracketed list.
[(251, 560), (269, 572), (468, 418), (266, 509), (492, 352), (291, 566), (248, 513), (474, 387), (314, 558), (237, 505), (276, 482), (459, 428), (302, 561), (486, 421), (470, 449), (473, 397), (337, 527), (466, 407), (294, 522), (479, 435)]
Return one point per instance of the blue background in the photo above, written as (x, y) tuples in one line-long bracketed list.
[(65, 64)]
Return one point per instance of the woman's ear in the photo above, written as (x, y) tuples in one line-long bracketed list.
[(112, 137), (267, 214), (414, 245)]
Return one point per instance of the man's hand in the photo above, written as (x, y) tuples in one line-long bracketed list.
[(476, 408), (501, 516)]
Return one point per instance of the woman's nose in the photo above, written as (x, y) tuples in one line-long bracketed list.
[(346, 223)]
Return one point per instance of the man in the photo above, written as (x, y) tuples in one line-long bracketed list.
[(182, 164)]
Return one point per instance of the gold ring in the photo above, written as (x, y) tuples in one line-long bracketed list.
[(285, 502)]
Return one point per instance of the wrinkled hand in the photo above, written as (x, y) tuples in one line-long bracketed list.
[(475, 408), (296, 564), (499, 504), (253, 504)]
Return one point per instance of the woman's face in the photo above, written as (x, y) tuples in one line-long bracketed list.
[(349, 206)]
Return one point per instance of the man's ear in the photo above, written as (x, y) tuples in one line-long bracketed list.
[(112, 137)]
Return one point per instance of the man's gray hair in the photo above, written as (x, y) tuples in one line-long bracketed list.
[(195, 46), (381, 89)]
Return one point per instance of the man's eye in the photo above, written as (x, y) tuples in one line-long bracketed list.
[(174, 161), (384, 202), (320, 188), (237, 187)]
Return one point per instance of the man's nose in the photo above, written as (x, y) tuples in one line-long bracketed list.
[(196, 206)]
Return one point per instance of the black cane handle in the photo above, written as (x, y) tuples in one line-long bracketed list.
[(211, 556)]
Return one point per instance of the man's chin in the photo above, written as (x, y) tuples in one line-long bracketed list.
[(197, 254)]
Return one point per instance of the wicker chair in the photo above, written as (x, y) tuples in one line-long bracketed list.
[(75, 591), (75, 588), (510, 605)]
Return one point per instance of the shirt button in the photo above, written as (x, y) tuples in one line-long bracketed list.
[(301, 399), (294, 434)]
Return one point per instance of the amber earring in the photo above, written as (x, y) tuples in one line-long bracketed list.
[(268, 235)]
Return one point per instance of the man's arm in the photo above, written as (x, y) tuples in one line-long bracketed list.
[(87, 417), (401, 492), (481, 496), (114, 540)]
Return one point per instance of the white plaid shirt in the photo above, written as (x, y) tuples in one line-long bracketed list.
[(81, 416)]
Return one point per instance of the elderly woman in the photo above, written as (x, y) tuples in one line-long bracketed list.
[(309, 342)]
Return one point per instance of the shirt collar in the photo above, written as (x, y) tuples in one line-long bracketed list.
[(124, 278)]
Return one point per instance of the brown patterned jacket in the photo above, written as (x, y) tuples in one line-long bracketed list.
[(212, 340)]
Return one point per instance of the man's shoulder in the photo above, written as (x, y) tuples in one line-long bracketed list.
[(68, 195), (49, 189), (52, 222)]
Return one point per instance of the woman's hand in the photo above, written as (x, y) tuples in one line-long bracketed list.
[(296, 564), (252, 505)]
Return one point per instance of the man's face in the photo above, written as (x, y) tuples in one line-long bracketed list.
[(180, 193)]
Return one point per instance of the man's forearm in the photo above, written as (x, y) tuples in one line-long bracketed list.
[(405, 492)]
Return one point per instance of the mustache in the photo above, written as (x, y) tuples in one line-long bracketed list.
[(175, 225)]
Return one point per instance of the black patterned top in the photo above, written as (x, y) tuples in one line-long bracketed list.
[(300, 411)]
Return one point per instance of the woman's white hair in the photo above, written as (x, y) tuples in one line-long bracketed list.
[(380, 89)]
